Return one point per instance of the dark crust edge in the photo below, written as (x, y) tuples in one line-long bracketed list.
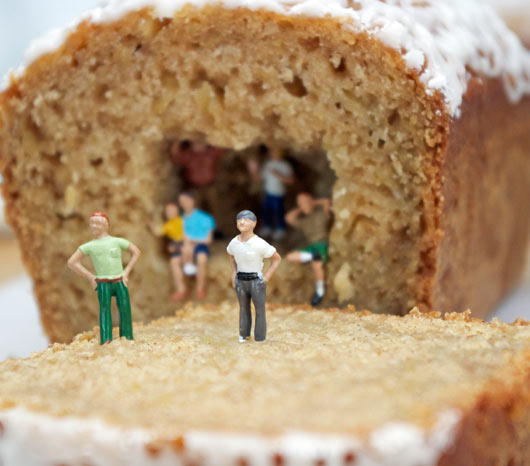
[(485, 227), (496, 430)]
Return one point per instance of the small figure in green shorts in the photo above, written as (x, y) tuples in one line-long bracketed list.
[(312, 217), (110, 278)]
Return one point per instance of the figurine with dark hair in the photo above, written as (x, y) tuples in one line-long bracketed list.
[(247, 251), (312, 216), (198, 235), (110, 278), (199, 163), (275, 174)]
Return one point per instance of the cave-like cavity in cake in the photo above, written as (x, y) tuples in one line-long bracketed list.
[(438, 40)]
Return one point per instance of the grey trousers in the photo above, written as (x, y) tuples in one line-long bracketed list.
[(254, 290)]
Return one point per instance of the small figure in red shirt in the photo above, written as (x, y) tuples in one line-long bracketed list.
[(199, 163)]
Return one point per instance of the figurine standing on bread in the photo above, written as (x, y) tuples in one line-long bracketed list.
[(247, 251), (110, 278)]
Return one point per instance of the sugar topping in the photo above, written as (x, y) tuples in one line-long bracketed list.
[(440, 40), (75, 440)]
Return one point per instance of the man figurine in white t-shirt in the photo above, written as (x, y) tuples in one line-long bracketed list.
[(275, 174), (247, 251)]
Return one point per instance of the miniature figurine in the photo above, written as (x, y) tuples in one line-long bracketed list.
[(276, 173), (110, 278), (199, 164), (198, 234), (247, 251), (312, 217), (173, 229)]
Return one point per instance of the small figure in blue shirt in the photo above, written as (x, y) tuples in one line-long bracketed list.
[(198, 234)]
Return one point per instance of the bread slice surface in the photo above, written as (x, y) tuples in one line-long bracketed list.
[(353, 376)]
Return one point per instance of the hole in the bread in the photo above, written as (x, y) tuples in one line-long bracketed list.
[(94, 65), (79, 293), (96, 162), (394, 118), (256, 88), (155, 25), (121, 159), (14, 195), (34, 130), (62, 216), (58, 109), (296, 87), (199, 77), (52, 158), (339, 64), (310, 44), (285, 25), (102, 93)]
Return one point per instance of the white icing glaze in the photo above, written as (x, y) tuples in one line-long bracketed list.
[(437, 38), (31, 439), (511, 6)]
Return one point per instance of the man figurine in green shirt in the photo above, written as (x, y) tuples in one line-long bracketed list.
[(110, 278)]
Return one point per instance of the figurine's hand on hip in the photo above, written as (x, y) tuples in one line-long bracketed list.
[(125, 279), (93, 282)]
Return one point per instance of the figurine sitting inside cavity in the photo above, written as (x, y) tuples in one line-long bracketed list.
[(173, 229), (275, 174), (199, 168), (198, 235), (312, 217)]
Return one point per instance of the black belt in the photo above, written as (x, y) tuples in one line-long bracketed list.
[(246, 276)]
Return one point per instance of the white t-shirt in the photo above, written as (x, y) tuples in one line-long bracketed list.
[(272, 184), (249, 254)]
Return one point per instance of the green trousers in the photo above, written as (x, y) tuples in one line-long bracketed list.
[(105, 293)]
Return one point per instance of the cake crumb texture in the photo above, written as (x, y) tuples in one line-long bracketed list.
[(330, 372), (88, 127)]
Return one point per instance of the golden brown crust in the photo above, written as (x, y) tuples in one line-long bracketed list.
[(495, 431), (484, 217)]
